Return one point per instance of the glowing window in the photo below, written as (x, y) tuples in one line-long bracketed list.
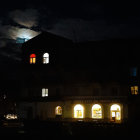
[(115, 112), (44, 92), (78, 111), (96, 111), (11, 116), (32, 59), (58, 110), (134, 90), (45, 58)]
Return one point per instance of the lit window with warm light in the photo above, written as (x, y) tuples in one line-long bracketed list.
[(96, 111), (115, 112), (45, 58), (44, 92), (134, 90), (78, 111), (58, 110), (11, 116), (32, 59)]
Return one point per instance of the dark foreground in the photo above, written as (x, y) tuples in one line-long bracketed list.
[(46, 130)]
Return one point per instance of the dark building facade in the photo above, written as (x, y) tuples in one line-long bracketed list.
[(86, 81)]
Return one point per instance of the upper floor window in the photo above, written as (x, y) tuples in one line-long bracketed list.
[(45, 58), (134, 90), (133, 71), (44, 92), (32, 59)]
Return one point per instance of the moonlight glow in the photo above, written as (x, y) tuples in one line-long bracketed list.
[(12, 32), (26, 34)]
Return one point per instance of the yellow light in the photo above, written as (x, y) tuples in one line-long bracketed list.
[(96, 111), (115, 107), (115, 112), (78, 111), (11, 116), (134, 90), (58, 110), (32, 60)]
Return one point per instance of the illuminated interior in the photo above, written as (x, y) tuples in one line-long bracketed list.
[(134, 90), (44, 92), (96, 111), (115, 112), (45, 58), (32, 59), (78, 111), (11, 116), (58, 110)]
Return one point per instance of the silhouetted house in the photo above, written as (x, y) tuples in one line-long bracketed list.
[(90, 81)]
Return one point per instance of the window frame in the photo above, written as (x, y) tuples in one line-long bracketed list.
[(58, 110), (101, 112), (32, 58), (134, 90), (45, 92), (46, 58)]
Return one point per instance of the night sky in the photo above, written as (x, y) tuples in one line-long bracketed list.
[(95, 20), (85, 20)]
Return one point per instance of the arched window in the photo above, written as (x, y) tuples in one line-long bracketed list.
[(32, 59), (78, 111), (58, 110), (115, 112), (45, 58), (96, 111)]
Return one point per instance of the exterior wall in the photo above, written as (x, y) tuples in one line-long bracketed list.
[(46, 110), (67, 110), (26, 110), (86, 89), (97, 74)]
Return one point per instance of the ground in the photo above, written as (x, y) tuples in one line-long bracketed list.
[(43, 130)]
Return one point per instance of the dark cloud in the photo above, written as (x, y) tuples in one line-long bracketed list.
[(87, 30), (2, 43), (74, 19), (77, 20), (27, 18), (9, 50), (12, 32)]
